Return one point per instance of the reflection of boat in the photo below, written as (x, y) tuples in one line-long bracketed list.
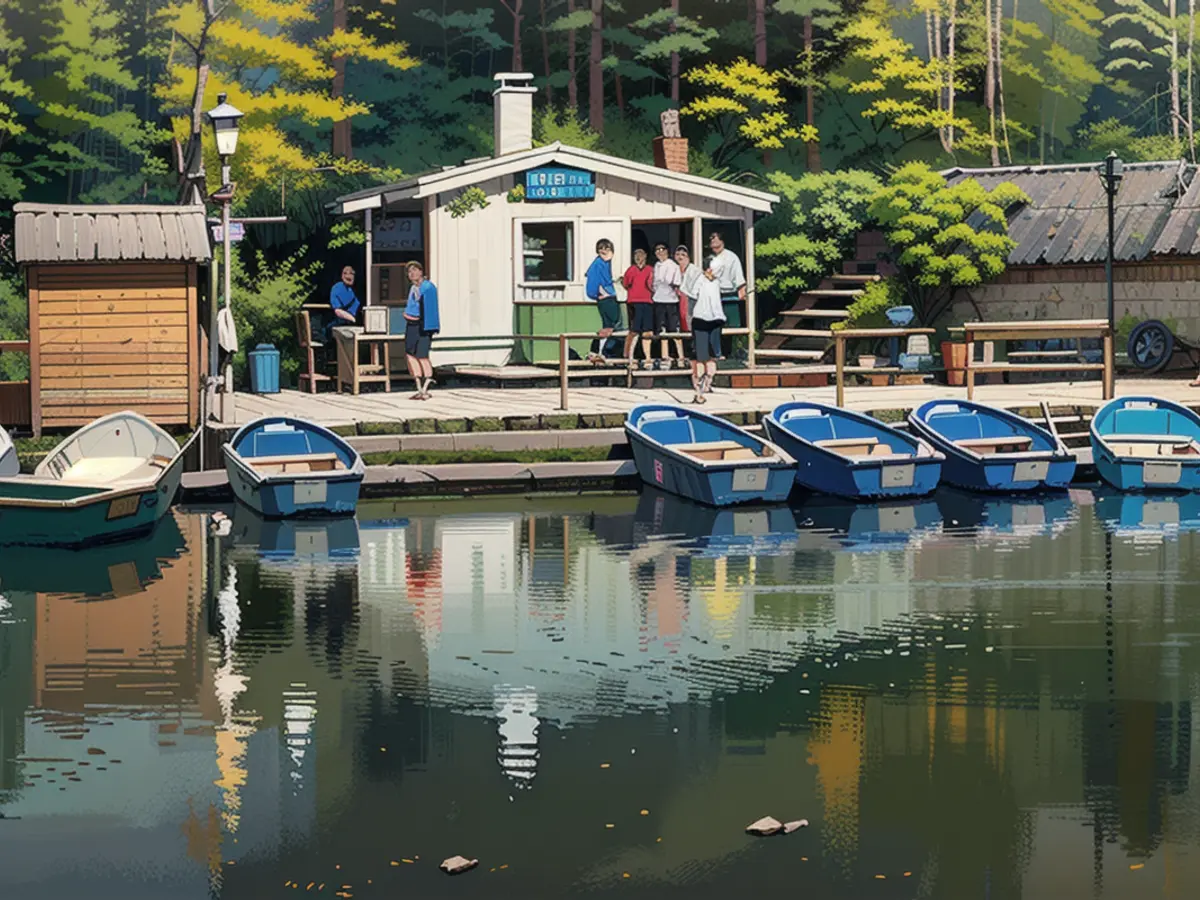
[(1145, 442), (1023, 514), (705, 458), (280, 467), (110, 480), (335, 537), (868, 526), (852, 455), (660, 514), (1145, 513), (990, 449), (115, 568)]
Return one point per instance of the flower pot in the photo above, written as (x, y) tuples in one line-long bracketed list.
[(954, 358), (867, 361)]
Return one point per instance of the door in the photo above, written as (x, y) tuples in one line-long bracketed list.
[(617, 231)]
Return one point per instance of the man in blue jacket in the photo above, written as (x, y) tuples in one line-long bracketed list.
[(422, 322), (599, 287), (347, 310)]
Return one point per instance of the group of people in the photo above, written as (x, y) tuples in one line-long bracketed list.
[(422, 320), (670, 297)]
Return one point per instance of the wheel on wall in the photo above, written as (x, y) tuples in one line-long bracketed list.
[(1151, 346)]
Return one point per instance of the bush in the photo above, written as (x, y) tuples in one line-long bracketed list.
[(265, 306), (870, 309), (14, 326)]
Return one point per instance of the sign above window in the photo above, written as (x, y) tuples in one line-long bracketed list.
[(399, 233), (556, 183)]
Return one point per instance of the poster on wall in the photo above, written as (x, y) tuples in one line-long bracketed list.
[(556, 183), (399, 233)]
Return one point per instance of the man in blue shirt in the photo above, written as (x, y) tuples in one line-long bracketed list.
[(422, 322), (344, 302), (599, 287)]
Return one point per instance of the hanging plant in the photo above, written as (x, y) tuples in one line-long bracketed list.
[(517, 194), (470, 199)]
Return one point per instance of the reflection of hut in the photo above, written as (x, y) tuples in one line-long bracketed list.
[(114, 310)]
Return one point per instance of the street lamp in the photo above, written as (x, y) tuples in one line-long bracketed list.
[(224, 119), (1111, 172)]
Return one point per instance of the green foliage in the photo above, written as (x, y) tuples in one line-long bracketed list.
[(14, 325), (346, 233), (467, 200), (745, 104), (265, 303), (870, 309), (813, 228), (946, 237), (565, 127), (517, 194), (1113, 135)]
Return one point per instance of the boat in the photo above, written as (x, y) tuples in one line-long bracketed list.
[(281, 467), (111, 480), (706, 459), (1146, 443), (852, 455), (990, 449), (888, 524), (10, 464)]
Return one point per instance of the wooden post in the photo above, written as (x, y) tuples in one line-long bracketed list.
[(751, 296), (370, 254), (839, 361), (35, 353), (1110, 387), (970, 372), (563, 353)]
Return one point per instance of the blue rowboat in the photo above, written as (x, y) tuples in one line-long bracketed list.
[(282, 467), (883, 525), (990, 449), (1145, 443), (111, 480), (705, 458), (852, 455)]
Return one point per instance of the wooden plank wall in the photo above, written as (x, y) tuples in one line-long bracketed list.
[(114, 337)]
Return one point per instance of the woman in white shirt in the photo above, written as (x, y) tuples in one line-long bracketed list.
[(708, 315), (667, 279)]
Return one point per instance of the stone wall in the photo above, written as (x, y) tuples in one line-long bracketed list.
[(1169, 291)]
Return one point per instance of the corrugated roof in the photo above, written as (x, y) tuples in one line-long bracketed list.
[(1066, 220), (51, 233)]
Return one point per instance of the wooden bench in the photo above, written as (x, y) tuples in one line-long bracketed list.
[(716, 451), (287, 465), (1151, 445), (985, 446), (859, 446)]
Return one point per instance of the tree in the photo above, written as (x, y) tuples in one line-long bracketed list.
[(596, 69), (945, 236), (1162, 29), (574, 21), (813, 13), (813, 227), (12, 89), (513, 7), (746, 104), (672, 35)]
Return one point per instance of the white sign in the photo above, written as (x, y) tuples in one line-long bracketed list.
[(237, 231), (399, 233)]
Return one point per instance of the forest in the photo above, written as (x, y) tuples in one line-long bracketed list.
[(830, 104)]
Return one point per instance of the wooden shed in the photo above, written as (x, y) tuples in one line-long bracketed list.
[(114, 311)]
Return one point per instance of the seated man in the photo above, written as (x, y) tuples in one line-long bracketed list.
[(347, 310)]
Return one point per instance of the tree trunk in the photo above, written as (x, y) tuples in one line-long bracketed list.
[(595, 70), (953, 28), (760, 33), (989, 80), (546, 52), (1000, 74), (674, 60), (515, 11), (1176, 114), (573, 84), (810, 90), (1191, 48), (341, 129)]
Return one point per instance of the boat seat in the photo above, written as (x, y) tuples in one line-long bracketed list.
[(717, 451), (1148, 449), (996, 444), (110, 470), (289, 465), (1151, 438), (858, 446)]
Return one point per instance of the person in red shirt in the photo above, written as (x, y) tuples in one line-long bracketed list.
[(639, 297)]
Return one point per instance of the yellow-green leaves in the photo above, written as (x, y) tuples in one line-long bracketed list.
[(747, 95)]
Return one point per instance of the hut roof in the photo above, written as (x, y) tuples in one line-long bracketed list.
[(47, 233)]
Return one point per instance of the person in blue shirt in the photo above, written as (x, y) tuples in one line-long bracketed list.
[(599, 287), (347, 310), (422, 322)]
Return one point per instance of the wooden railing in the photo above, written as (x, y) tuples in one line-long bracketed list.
[(841, 335), (1064, 329)]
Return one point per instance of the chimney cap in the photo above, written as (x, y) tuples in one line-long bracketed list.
[(513, 76), (514, 83)]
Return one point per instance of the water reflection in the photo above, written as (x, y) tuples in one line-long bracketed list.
[(995, 699)]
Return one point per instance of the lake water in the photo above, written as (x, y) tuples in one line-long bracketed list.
[(594, 696)]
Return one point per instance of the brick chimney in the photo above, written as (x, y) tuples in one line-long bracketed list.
[(671, 148), (512, 112)]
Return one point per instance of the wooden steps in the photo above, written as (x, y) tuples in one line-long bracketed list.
[(799, 333), (815, 314), (781, 353), (834, 294)]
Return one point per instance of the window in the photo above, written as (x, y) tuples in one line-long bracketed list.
[(549, 250)]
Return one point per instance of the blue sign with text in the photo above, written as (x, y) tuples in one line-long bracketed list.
[(552, 183)]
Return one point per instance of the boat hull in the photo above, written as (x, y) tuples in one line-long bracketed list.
[(1145, 416), (285, 498), (1126, 474), (828, 473), (712, 485)]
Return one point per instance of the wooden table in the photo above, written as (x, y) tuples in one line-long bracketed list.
[(841, 335), (1041, 330), (351, 370)]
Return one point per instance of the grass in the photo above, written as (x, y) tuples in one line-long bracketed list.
[(440, 457)]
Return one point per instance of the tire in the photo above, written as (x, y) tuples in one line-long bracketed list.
[(1151, 346)]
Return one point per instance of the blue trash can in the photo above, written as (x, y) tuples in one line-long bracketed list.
[(264, 369)]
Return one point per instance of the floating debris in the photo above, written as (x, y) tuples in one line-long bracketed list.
[(789, 827), (764, 827), (645, 812), (95, 751), (1137, 866), (605, 765), (456, 865)]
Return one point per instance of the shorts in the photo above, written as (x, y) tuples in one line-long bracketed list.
[(666, 317), (707, 339), (416, 341), (610, 313), (641, 317)]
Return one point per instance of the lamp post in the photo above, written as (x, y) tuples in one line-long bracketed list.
[(224, 119), (1111, 172)]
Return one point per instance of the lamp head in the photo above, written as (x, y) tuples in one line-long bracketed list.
[(224, 120), (1112, 170)]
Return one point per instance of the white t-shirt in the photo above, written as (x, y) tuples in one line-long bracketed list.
[(666, 279), (708, 295), (732, 277), (690, 284)]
